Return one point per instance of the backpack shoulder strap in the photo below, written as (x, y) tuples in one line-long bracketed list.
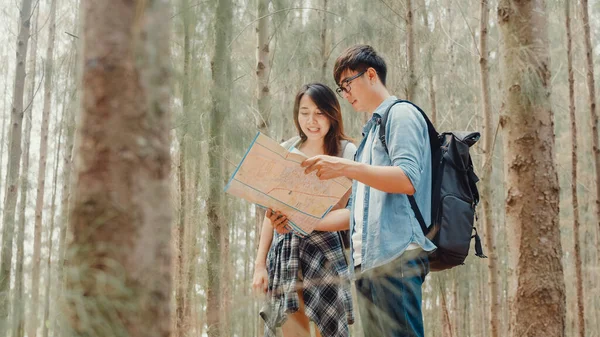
[(418, 215), (433, 142)]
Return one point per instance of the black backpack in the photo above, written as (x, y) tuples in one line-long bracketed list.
[(454, 195)]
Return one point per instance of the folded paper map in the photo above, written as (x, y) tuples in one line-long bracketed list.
[(271, 176)]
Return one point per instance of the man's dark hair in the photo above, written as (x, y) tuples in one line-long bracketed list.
[(359, 58)]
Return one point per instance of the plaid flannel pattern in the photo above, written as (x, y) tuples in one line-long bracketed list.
[(320, 259)]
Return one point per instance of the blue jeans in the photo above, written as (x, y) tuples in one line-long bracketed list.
[(389, 297)]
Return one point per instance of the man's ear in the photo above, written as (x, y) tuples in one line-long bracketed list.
[(372, 75)]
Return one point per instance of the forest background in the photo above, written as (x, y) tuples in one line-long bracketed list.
[(191, 82)]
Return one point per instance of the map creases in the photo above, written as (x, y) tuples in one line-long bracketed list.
[(271, 176)]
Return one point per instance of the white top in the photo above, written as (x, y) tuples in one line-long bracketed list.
[(359, 208)]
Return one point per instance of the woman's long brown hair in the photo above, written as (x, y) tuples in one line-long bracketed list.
[(326, 101)]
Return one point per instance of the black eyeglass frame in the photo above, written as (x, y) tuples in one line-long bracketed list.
[(345, 86)]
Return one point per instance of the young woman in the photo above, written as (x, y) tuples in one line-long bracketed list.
[(306, 278)]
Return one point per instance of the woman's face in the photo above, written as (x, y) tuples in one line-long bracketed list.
[(313, 122)]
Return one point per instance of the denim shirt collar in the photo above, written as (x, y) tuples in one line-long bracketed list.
[(379, 112), (382, 108), (367, 127)]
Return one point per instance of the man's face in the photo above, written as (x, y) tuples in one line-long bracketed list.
[(353, 87)]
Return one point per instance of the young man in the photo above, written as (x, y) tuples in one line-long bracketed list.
[(389, 250)]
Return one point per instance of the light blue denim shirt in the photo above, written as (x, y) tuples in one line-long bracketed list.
[(389, 223)]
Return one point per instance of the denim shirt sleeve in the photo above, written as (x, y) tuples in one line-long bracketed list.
[(405, 136)]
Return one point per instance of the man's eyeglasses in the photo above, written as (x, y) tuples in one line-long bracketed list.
[(345, 86)]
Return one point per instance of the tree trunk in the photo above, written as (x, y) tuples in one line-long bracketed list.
[(18, 305), (199, 311), (67, 166), (432, 100), (49, 279), (263, 69), (14, 163), (451, 63), (481, 325), (41, 178), (530, 172), (249, 251), (325, 49), (263, 101), (226, 274), (192, 243), (3, 120), (217, 224), (119, 262), (592, 102), (456, 317), (446, 321), (411, 86), (575, 202), (467, 296), (180, 290), (55, 318), (429, 63), (486, 181), (591, 86)]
